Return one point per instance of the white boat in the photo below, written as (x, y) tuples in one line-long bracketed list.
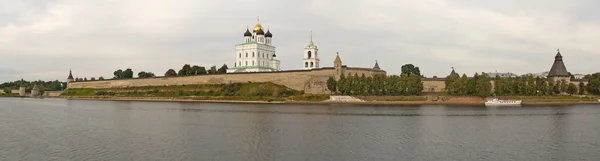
[(497, 102)]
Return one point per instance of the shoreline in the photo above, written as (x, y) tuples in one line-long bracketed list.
[(383, 103)]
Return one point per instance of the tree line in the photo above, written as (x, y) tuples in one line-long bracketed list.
[(56, 85), (188, 70), (480, 85), (405, 84), (593, 86), (377, 85)]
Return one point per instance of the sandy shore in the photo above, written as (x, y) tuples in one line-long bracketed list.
[(468, 103)]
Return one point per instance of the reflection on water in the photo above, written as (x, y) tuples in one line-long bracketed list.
[(56, 129)]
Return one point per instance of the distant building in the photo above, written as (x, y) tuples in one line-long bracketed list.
[(578, 76), (535, 75), (502, 75), (256, 54)]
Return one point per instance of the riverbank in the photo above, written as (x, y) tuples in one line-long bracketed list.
[(471, 101)]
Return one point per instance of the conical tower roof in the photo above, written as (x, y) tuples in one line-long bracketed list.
[(337, 59), (35, 87), (70, 75), (22, 83), (376, 65), (558, 68)]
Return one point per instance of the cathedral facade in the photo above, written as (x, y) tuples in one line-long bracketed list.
[(256, 53)]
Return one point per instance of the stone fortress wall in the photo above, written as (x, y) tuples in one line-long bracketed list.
[(311, 81)]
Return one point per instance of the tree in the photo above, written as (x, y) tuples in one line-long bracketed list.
[(581, 88), (198, 70), (100, 78), (331, 85), (483, 86), (223, 69), (593, 87), (213, 70), (7, 90), (143, 74), (342, 85), (85, 79), (410, 69), (451, 83), (572, 89), (563, 86), (118, 74), (93, 79), (170, 73)]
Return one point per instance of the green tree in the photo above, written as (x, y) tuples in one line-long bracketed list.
[(593, 87), (572, 89), (143, 74), (563, 86), (7, 90), (342, 85), (451, 83), (331, 85), (213, 70), (462, 84), (186, 70), (93, 79), (410, 69), (483, 85), (581, 88), (170, 73), (118, 74), (128, 73), (223, 69), (100, 78)]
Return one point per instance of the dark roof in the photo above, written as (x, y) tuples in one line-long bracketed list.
[(70, 75), (247, 33), (376, 65), (260, 32), (558, 68), (268, 34), (274, 55)]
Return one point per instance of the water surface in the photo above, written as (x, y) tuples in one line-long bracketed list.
[(57, 129)]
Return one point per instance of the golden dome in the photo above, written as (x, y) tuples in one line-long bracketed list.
[(257, 28)]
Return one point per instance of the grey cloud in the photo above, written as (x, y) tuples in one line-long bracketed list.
[(43, 39)]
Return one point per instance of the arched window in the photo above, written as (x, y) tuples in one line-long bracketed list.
[(240, 55), (246, 63), (306, 64), (246, 55), (252, 62), (240, 63), (253, 54), (312, 64), (309, 54), (263, 55)]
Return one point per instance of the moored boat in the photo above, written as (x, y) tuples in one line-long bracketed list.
[(497, 102)]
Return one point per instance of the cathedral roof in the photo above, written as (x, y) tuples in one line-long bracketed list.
[(247, 33), (376, 65), (268, 34), (257, 28), (260, 32), (558, 68)]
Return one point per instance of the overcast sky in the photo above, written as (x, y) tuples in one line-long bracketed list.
[(43, 39)]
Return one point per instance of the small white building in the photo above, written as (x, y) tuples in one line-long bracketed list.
[(256, 54)]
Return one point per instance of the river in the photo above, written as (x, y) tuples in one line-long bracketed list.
[(59, 129)]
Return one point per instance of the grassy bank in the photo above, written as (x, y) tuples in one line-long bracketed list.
[(234, 91)]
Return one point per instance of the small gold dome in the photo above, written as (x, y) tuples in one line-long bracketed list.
[(257, 27)]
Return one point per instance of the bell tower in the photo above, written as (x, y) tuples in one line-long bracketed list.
[(311, 55)]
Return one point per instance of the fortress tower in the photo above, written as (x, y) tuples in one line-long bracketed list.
[(256, 54), (22, 88), (558, 71), (311, 58)]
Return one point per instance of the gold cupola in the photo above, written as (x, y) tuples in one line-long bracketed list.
[(258, 27)]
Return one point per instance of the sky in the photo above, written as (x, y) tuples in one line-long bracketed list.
[(43, 39)]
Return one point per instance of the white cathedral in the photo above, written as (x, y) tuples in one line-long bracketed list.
[(257, 54)]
